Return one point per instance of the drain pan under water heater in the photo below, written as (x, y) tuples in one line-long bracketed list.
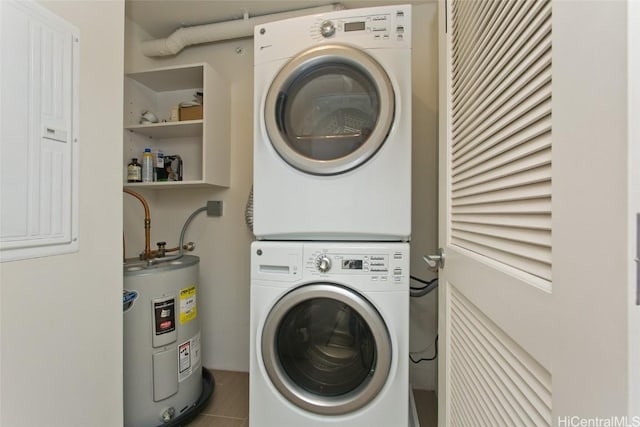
[(164, 383)]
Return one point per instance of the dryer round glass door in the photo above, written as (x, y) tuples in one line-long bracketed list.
[(329, 109), (326, 349)]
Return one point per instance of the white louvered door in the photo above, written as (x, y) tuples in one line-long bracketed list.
[(538, 312), (496, 221), (538, 292)]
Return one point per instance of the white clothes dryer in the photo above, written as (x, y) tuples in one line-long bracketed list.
[(332, 126), (329, 334)]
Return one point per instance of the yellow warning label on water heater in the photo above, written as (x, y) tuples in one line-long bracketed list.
[(188, 308)]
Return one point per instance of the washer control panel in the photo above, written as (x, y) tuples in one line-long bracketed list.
[(352, 263), (377, 265), (362, 263)]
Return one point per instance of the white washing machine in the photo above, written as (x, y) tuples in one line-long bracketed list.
[(332, 126), (329, 334)]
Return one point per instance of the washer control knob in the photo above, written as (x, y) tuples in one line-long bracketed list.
[(323, 263), (327, 29)]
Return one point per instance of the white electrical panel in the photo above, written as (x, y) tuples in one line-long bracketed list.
[(38, 132)]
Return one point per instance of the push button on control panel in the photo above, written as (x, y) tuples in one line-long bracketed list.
[(397, 274)]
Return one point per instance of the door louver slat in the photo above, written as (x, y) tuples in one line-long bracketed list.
[(506, 129), (463, 14), (531, 221), (508, 176), (533, 236), (508, 246), (505, 89), (506, 53), (476, 50), (507, 95), (521, 207), (507, 146), (508, 115), (497, 144), (540, 190), (475, 44), (501, 134), (475, 379), (485, 162), (494, 381)]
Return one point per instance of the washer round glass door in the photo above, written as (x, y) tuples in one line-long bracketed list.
[(326, 349), (329, 109)]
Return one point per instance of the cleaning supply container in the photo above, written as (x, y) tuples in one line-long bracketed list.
[(147, 165), (163, 377)]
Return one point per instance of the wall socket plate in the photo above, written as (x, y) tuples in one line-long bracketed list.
[(214, 208)]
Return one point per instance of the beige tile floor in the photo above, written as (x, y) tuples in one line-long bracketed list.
[(229, 405)]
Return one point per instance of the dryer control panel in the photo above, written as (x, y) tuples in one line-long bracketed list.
[(390, 23), (381, 27)]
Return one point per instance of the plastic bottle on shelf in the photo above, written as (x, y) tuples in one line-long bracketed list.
[(147, 166), (160, 174), (134, 171)]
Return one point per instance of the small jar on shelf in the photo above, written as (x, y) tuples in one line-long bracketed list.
[(134, 171)]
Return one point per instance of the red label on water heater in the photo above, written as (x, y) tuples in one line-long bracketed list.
[(165, 325)]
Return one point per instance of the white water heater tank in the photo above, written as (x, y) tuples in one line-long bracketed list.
[(162, 348)]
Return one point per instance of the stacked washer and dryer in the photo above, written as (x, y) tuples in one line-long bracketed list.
[(332, 218)]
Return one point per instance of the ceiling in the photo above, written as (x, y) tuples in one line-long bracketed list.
[(159, 18)]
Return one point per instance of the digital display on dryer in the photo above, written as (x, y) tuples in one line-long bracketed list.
[(354, 26), (352, 264)]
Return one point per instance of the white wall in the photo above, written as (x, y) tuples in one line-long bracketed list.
[(424, 227), (633, 52), (223, 243), (61, 317)]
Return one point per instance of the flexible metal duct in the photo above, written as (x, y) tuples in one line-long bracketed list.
[(227, 30)]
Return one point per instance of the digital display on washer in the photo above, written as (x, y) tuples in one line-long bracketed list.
[(352, 264), (354, 26)]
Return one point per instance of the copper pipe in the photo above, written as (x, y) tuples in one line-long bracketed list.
[(154, 253), (147, 222)]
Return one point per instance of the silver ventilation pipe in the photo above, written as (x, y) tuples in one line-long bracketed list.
[(227, 30)]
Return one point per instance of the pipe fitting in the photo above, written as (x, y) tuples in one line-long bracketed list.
[(168, 414), (147, 223)]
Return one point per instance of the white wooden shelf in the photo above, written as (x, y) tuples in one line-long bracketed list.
[(186, 128), (165, 185), (203, 145)]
